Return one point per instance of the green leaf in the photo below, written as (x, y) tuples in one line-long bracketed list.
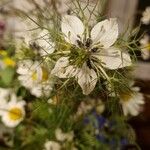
[(7, 75)]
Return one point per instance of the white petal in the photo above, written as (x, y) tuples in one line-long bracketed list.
[(115, 59), (87, 79), (105, 32), (62, 68), (72, 27), (36, 91), (45, 43)]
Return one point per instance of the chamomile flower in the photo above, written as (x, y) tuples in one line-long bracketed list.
[(146, 16), (13, 112), (52, 145), (145, 47), (34, 77), (132, 102), (91, 53)]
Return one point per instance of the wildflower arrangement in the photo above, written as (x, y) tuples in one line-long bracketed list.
[(68, 84)]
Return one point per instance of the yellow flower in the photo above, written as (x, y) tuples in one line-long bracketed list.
[(9, 62)]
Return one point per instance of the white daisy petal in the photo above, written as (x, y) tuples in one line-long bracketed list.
[(87, 79), (72, 27), (62, 68), (105, 32), (115, 59)]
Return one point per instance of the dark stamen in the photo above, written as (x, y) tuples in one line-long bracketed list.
[(88, 42), (80, 44), (95, 49), (34, 45), (88, 62)]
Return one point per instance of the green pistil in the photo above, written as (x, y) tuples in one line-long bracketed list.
[(78, 56)]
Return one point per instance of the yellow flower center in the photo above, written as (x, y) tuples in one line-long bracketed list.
[(34, 76), (9, 62), (126, 96), (43, 77), (15, 114), (44, 74), (148, 46)]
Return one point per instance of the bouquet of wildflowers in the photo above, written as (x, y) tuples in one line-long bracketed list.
[(67, 83)]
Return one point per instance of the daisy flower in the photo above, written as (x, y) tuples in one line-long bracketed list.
[(146, 16), (13, 112), (145, 47), (90, 53), (34, 77), (132, 102)]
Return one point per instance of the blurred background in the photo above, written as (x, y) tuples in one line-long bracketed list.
[(129, 13)]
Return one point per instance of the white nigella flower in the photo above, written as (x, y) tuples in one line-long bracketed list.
[(132, 102), (93, 52), (13, 112), (146, 16), (52, 145), (145, 47), (34, 77)]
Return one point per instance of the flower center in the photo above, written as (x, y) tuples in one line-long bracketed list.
[(82, 52), (148, 46), (34, 76), (44, 74), (15, 113), (126, 96)]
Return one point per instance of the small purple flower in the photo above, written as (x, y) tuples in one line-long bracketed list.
[(124, 142), (101, 138), (86, 120), (101, 121)]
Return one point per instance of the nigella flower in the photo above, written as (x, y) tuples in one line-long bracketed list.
[(90, 53)]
